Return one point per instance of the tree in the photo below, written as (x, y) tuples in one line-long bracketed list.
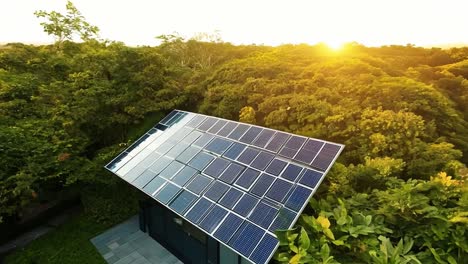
[(68, 26)]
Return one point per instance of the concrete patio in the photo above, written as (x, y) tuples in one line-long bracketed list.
[(126, 244)]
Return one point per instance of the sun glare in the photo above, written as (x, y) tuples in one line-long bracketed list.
[(335, 45)]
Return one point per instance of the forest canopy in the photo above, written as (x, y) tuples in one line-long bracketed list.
[(397, 193)]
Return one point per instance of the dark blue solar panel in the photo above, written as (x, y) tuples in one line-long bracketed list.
[(215, 129), (184, 176), (248, 155), (276, 166), (325, 156), (298, 198), (295, 142), (168, 117), (218, 145), (182, 202), (231, 173), (262, 160), (305, 156), (309, 151), (263, 215), (234, 151), (144, 178), (216, 191), (283, 220), (167, 193), (209, 122), (203, 140), (246, 238), (263, 183), (216, 167), (153, 185), (277, 141), (227, 129), (310, 178), (279, 190), (288, 153), (171, 170), (313, 145), (153, 130), (264, 249), (199, 183), (250, 135), (230, 198), (245, 205), (263, 138), (175, 119), (247, 178), (228, 227), (198, 210), (238, 131), (213, 218), (159, 127), (188, 154), (200, 161), (196, 121), (291, 172)]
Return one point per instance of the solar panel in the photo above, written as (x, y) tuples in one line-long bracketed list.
[(237, 182)]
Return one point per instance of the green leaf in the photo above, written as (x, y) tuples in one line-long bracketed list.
[(283, 257), (436, 256), (304, 241), (293, 247), (451, 260), (408, 245), (325, 251), (295, 259), (329, 234)]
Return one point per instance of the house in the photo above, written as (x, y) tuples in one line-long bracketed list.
[(218, 189)]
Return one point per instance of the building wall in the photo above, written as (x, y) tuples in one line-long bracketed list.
[(187, 242)]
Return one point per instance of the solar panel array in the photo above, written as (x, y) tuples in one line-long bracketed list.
[(237, 182)]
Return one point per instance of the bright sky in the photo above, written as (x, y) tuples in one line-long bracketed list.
[(270, 22)]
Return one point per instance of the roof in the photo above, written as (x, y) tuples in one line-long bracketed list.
[(237, 182)]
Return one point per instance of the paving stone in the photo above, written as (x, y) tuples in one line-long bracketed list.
[(126, 244), (108, 255), (113, 245)]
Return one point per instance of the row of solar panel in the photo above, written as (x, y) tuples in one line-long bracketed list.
[(218, 145), (231, 172), (307, 151), (216, 188), (252, 157)]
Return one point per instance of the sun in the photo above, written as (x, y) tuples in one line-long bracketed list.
[(335, 45)]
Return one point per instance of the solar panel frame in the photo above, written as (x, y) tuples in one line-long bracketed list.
[(161, 133)]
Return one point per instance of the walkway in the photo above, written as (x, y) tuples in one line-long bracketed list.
[(126, 244), (27, 237)]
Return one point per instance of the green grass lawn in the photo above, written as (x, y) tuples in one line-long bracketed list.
[(69, 243)]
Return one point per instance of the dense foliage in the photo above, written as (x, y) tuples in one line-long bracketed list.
[(398, 193)]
